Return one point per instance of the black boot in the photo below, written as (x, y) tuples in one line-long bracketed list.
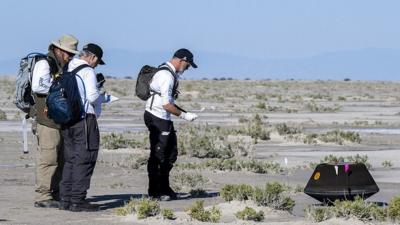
[(47, 204), (64, 205), (83, 206)]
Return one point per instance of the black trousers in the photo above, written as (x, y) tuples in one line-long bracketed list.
[(81, 146), (163, 153)]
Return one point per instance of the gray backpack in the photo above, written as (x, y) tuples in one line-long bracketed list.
[(23, 90)]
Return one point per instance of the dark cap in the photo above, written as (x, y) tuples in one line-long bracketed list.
[(95, 50), (186, 55)]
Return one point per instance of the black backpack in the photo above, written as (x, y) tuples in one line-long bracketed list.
[(144, 78), (64, 101)]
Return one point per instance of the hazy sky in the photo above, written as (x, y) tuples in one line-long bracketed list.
[(250, 28)]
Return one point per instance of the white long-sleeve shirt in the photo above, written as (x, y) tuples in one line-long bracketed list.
[(162, 82), (89, 79), (41, 77)]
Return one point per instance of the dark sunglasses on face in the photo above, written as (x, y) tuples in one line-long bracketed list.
[(187, 64)]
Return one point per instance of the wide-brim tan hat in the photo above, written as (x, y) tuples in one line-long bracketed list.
[(67, 43)]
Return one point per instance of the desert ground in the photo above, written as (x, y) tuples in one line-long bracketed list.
[(274, 130)]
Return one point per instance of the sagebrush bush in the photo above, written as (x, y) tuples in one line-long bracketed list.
[(133, 161), (143, 208), (236, 192), (116, 141), (128, 208), (256, 129), (188, 180), (198, 212), (146, 208), (204, 142), (261, 105), (362, 210), (256, 166), (387, 164), (3, 115), (318, 214), (274, 195), (314, 107), (394, 209), (339, 137), (168, 214), (332, 159), (284, 129), (335, 136), (249, 213)]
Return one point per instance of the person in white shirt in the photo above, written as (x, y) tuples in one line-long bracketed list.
[(82, 139), (49, 155), (157, 117)]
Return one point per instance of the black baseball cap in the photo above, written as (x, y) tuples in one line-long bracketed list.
[(95, 50), (186, 55)]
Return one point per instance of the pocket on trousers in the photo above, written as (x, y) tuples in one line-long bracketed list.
[(93, 135)]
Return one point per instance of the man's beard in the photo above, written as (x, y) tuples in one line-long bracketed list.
[(179, 73)]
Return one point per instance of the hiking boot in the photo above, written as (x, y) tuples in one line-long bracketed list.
[(64, 205), (170, 193), (47, 204), (154, 197), (83, 207)]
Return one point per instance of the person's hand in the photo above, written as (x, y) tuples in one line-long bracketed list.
[(100, 80), (102, 91), (106, 97), (188, 116)]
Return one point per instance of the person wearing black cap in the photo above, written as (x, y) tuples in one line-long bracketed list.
[(157, 117), (82, 139)]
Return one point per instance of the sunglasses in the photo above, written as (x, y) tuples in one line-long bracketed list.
[(187, 65)]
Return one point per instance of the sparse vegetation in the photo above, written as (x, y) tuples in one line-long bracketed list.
[(168, 214), (147, 208), (284, 129), (339, 137), (128, 208), (362, 210), (133, 161), (116, 141), (335, 136), (198, 212), (143, 208), (256, 166), (274, 195), (261, 105), (249, 213), (394, 209), (3, 115), (316, 108), (188, 181), (332, 159), (387, 164)]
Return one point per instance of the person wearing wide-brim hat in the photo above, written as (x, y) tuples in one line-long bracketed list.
[(49, 154)]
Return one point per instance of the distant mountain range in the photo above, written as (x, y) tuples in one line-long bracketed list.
[(366, 64)]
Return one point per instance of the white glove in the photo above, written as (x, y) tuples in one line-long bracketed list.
[(188, 116)]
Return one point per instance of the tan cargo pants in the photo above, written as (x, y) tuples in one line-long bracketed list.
[(49, 163)]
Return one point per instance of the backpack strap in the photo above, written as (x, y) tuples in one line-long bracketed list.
[(164, 66), (77, 69), (75, 72)]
